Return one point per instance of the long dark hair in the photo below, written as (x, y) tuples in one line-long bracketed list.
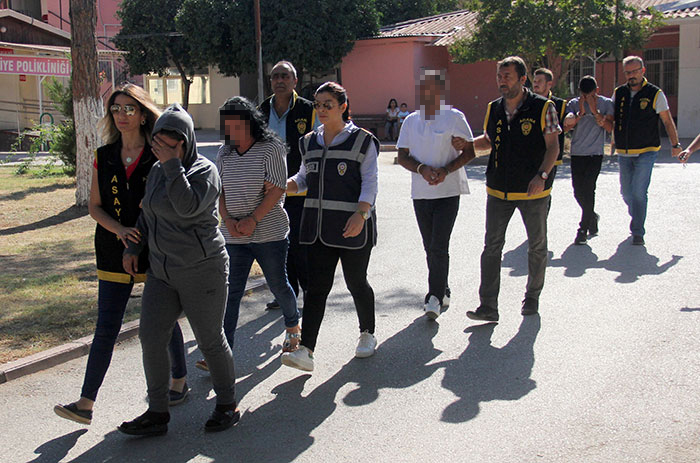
[(396, 103), (245, 109), (340, 95)]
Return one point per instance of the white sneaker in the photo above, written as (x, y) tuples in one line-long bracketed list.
[(432, 308), (366, 345), (301, 359)]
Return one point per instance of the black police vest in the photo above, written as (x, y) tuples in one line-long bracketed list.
[(517, 148), (299, 122), (121, 199), (636, 120), (560, 104), (334, 182)]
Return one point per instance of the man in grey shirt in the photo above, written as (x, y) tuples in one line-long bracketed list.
[(589, 116)]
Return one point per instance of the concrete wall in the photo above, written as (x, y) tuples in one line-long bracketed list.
[(206, 116), (472, 87), (689, 70)]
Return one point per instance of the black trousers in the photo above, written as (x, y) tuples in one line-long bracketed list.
[(297, 265), (584, 175), (436, 219), (322, 262)]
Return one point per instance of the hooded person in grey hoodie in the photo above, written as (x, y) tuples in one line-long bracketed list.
[(188, 271)]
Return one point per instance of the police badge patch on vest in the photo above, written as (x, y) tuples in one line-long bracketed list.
[(342, 168), (301, 126), (644, 102), (526, 126), (312, 167)]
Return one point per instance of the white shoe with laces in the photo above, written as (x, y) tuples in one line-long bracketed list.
[(432, 308), (366, 345), (301, 359)]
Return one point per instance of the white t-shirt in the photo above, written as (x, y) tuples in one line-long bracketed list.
[(429, 141)]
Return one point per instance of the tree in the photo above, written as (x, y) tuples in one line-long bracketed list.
[(153, 44), (313, 34), (87, 106), (552, 32), (394, 11)]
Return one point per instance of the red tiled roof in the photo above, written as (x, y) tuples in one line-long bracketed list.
[(447, 27), (444, 28)]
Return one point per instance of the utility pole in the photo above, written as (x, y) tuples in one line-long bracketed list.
[(87, 107), (258, 49)]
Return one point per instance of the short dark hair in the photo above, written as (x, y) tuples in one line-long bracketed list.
[(171, 134), (340, 95), (548, 75), (587, 84), (518, 62)]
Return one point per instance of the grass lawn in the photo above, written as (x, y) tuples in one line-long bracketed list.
[(48, 281)]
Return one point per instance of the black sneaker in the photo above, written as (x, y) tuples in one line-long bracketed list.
[(483, 313), (593, 228), (274, 305), (148, 424), (638, 240), (221, 420), (73, 413), (530, 306), (581, 237)]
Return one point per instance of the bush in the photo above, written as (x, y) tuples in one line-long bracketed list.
[(59, 138)]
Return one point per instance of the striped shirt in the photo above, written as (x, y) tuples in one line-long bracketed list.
[(243, 177)]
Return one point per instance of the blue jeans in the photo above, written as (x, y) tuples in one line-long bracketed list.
[(498, 214), (272, 258), (111, 303), (635, 176)]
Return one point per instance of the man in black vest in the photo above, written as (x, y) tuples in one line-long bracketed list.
[(638, 107), (521, 129), (542, 83), (291, 117)]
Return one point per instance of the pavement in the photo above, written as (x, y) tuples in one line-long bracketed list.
[(607, 372)]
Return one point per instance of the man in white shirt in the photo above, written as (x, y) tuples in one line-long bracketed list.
[(426, 148)]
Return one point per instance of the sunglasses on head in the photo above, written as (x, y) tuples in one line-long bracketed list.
[(327, 106), (128, 109)]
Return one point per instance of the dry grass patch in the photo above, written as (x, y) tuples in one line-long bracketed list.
[(48, 283)]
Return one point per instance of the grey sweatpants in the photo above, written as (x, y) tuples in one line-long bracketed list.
[(201, 294)]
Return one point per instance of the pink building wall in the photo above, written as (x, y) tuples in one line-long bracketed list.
[(108, 24), (379, 69)]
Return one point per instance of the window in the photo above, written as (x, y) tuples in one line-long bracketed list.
[(579, 67), (662, 68), (167, 90)]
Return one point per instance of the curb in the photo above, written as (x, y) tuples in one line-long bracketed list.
[(77, 348)]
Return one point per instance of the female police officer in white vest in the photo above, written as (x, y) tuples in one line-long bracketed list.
[(339, 172)]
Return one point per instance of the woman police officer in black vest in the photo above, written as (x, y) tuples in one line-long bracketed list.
[(339, 172)]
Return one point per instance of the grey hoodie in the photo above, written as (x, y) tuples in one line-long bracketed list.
[(179, 220)]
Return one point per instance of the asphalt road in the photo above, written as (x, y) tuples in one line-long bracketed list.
[(608, 372)]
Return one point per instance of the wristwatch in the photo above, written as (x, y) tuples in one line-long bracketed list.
[(543, 175), (364, 214), (677, 145)]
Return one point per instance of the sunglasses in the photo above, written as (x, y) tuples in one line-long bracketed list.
[(327, 106), (128, 109)]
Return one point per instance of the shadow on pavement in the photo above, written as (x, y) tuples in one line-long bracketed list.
[(56, 449), (688, 309), (631, 262), (483, 372)]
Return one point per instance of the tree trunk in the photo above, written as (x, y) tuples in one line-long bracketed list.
[(186, 82), (87, 107)]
